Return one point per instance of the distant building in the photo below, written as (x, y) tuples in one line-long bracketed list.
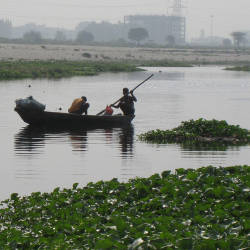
[(248, 38), (5, 29), (160, 27)]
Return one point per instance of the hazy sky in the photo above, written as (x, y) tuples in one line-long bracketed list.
[(228, 15)]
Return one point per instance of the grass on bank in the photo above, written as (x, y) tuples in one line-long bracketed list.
[(58, 69), (199, 131), (11, 70), (245, 68), (207, 208)]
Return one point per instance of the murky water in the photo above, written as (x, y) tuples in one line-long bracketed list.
[(40, 160)]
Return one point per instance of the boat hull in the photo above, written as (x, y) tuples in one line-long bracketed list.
[(60, 119)]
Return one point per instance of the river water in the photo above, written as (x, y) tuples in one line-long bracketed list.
[(40, 160)]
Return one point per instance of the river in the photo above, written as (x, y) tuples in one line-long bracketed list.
[(41, 160)]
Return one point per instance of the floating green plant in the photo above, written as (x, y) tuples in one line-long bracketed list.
[(58, 69), (200, 131), (245, 68), (206, 208)]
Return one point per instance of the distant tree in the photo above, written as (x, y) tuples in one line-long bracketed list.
[(60, 36), (170, 40), (32, 37), (227, 43), (104, 31), (239, 38), (84, 37), (137, 34), (82, 26), (5, 28)]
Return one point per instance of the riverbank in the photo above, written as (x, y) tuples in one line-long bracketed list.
[(58, 69), (19, 61), (207, 208), (239, 68), (197, 56)]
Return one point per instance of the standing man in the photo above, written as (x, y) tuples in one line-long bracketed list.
[(79, 106), (126, 103)]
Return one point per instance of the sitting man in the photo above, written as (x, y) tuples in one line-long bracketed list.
[(126, 103), (79, 106)]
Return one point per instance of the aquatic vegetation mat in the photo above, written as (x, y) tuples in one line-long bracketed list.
[(58, 69), (198, 132), (245, 68), (207, 208)]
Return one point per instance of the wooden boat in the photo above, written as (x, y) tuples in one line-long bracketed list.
[(60, 119)]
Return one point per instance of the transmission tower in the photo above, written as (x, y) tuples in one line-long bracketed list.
[(177, 7)]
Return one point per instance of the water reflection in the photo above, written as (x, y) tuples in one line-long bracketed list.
[(210, 147), (79, 140), (212, 150), (161, 73), (32, 140), (29, 141), (126, 141), (122, 138), (171, 76)]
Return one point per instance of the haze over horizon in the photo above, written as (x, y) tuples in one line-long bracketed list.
[(218, 18)]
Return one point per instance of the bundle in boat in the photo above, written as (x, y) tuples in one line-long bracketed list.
[(29, 103)]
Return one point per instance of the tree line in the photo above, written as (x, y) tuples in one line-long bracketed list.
[(83, 37)]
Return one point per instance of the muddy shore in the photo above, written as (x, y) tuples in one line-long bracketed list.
[(78, 53)]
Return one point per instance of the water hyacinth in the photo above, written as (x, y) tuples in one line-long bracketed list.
[(207, 208), (200, 131), (245, 68), (10, 70)]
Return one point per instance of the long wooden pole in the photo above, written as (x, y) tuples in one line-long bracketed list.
[(130, 90)]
